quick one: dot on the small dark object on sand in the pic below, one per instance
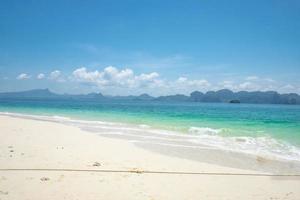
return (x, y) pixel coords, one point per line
(45, 179)
(96, 164)
(4, 193)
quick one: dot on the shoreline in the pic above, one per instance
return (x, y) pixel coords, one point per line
(34, 144)
(173, 144)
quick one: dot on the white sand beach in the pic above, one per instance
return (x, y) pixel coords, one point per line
(39, 159)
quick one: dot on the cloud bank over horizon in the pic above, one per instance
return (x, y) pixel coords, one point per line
(125, 81)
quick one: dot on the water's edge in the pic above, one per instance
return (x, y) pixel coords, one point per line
(195, 146)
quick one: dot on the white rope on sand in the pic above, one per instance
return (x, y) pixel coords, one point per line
(149, 172)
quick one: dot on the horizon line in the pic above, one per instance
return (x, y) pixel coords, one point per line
(147, 93)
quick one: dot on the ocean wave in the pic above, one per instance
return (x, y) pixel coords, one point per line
(261, 146)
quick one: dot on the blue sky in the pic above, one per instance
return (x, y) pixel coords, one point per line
(158, 47)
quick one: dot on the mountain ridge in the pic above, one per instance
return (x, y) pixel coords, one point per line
(219, 96)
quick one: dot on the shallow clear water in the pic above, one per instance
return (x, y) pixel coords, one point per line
(279, 122)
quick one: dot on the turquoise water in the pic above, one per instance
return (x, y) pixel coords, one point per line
(280, 122)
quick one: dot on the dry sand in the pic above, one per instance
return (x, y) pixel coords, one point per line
(32, 144)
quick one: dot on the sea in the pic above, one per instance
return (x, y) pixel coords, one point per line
(266, 130)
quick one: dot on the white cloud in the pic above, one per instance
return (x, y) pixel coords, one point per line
(288, 88)
(257, 86)
(81, 74)
(40, 76)
(247, 86)
(183, 81)
(56, 76)
(112, 77)
(148, 77)
(23, 76)
(149, 80)
(227, 85)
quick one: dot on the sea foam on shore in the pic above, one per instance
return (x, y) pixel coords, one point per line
(196, 137)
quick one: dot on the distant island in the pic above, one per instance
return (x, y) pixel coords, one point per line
(234, 101)
(220, 96)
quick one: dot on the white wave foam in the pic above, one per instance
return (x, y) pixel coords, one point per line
(262, 146)
(144, 126)
(203, 131)
(60, 118)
